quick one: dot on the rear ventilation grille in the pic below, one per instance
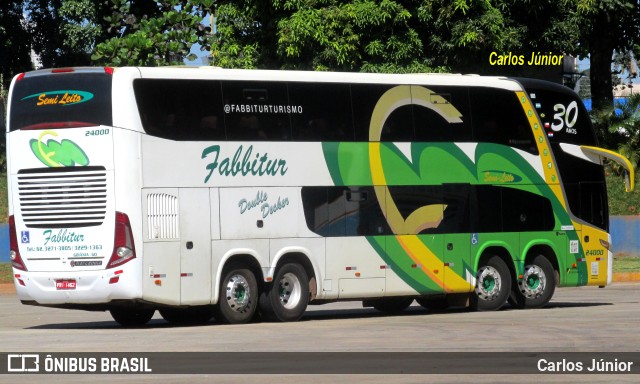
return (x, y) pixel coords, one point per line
(70, 197)
(162, 216)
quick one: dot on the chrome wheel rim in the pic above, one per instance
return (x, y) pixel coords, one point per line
(489, 283)
(289, 290)
(533, 282)
(238, 293)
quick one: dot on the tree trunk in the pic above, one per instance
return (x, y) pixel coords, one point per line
(601, 47)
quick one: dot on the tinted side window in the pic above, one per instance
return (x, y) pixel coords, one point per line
(523, 211)
(584, 186)
(453, 199)
(326, 113)
(343, 211)
(180, 109)
(487, 208)
(588, 201)
(364, 99)
(257, 110)
(501, 209)
(431, 126)
(411, 198)
(354, 211)
(399, 125)
(498, 117)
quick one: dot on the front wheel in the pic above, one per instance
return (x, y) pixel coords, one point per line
(287, 298)
(131, 317)
(238, 297)
(537, 285)
(493, 285)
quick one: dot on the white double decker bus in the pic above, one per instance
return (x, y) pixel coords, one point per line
(204, 192)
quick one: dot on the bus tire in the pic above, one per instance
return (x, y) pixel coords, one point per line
(131, 317)
(287, 297)
(537, 285)
(191, 315)
(238, 298)
(493, 285)
(392, 305)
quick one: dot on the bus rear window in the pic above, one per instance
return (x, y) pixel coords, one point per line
(61, 101)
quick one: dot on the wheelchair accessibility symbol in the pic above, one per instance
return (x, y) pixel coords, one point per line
(24, 237)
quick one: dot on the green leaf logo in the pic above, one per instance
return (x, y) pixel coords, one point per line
(65, 153)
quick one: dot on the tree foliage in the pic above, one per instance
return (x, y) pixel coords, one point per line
(14, 41)
(355, 35)
(387, 35)
(605, 26)
(149, 32)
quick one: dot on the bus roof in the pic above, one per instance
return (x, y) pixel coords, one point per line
(328, 77)
(203, 73)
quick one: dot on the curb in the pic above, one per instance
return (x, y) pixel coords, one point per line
(626, 277)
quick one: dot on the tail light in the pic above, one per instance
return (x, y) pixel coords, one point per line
(14, 251)
(124, 249)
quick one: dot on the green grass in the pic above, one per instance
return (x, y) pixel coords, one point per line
(621, 202)
(6, 273)
(623, 264)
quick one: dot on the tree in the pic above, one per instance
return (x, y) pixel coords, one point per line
(15, 49)
(148, 32)
(54, 31)
(15, 46)
(605, 26)
(369, 35)
(386, 35)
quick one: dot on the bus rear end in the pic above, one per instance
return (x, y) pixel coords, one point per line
(69, 246)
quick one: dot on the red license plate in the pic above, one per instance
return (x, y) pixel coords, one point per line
(65, 284)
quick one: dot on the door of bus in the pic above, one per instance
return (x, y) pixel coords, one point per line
(177, 245)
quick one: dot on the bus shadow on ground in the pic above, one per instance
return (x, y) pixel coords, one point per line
(315, 315)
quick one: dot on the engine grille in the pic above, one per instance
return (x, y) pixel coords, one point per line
(68, 197)
(162, 216)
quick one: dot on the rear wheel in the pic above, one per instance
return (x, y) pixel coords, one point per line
(192, 315)
(493, 285)
(392, 305)
(131, 317)
(537, 285)
(287, 298)
(238, 296)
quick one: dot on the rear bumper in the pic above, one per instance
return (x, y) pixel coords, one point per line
(92, 287)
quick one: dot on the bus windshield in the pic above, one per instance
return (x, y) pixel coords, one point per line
(567, 124)
(61, 101)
